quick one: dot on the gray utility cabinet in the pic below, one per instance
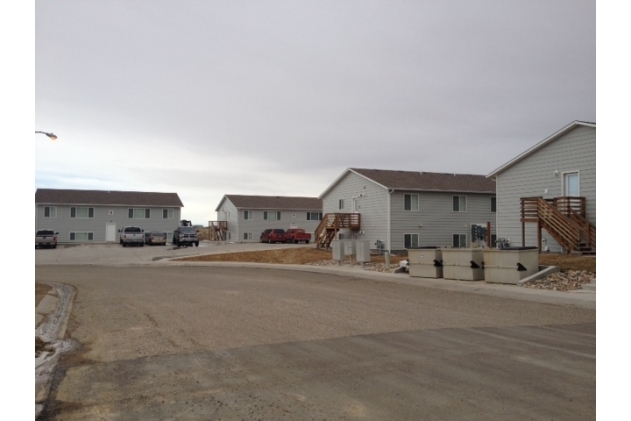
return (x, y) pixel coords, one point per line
(338, 250)
(362, 250)
(510, 265)
(425, 262)
(466, 264)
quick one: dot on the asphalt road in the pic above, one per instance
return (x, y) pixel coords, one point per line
(227, 343)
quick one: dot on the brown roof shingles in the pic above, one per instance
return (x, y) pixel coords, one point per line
(275, 202)
(428, 181)
(104, 197)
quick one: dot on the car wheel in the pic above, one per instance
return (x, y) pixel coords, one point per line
(142, 244)
(55, 246)
(269, 241)
(306, 242)
(124, 244)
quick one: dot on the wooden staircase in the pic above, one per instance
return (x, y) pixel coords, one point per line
(217, 230)
(564, 219)
(331, 224)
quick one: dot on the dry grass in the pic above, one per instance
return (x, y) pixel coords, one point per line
(296, 256)
(306, 255)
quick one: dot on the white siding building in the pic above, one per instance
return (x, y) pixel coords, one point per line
(560, 166)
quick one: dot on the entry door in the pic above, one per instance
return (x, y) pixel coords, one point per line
(110, 231)
(570, 184)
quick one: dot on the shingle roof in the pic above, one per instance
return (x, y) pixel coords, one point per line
(275, 202)
(104, 197)
(428, 181)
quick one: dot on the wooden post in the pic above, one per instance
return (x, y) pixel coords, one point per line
(488, 234)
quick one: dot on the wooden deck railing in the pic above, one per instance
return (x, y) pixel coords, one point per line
(330, 225)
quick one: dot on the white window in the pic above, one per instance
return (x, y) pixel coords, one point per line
(167, 214)
(460, 203)
(76, 212)
(459, 240)
(50, 211)
(410, 240)
(247, 235)
(410, 202)
(314, 216)
(248, 215)
(81, 236)
(571, 184)
(138, 213)
(341, 204)
(271, 216)
(493, 204)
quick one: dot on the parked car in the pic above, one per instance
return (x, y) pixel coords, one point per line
(297, 235)
(155, 237)
(185, 236)
(132, 235)
(46, 238)
(275, 235)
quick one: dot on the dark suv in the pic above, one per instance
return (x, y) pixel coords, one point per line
(185, 236)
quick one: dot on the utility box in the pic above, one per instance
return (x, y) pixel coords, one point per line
(464, 264)
(349, 247)
(338, 252)
(510, 265)
(362, 251)
(425, 262)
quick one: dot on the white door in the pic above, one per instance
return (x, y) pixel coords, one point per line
(110, 232)
(571, 184)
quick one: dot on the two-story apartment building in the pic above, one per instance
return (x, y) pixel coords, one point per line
(95, 216)
(404, 209)
(248, 216)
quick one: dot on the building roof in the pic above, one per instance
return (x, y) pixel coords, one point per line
(540, 145)
(272, 202)
(423, 181)
(106, 197)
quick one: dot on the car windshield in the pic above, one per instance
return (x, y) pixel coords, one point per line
(279, 231)
(132, 229)
(157, 234)
(187, 229)
(45, 232)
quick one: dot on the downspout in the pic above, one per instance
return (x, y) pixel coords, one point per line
(389, 222)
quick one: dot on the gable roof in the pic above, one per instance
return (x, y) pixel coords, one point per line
(540, 145)
(272, 202)
(422, 181)
(105, 197)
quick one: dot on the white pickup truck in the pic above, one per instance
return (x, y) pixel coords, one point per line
(132, 235)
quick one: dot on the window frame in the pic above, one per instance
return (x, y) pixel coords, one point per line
(74, 212)
(411, 237)
(493, 204)
(341, 204)
(310, 216)
(50, 210)
(266, 215)
(131, 213)
(249, 213)
(74, 234)
(461, 198)
(168, 213)
(247, 236)
(459, 236)
(411, 195)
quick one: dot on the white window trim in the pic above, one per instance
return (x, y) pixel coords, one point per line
(168, 211)
(267, 213)
(248, 213)
(144, 213)
(563, 187)
(50, 211)
(460, 237)
(465, 203)
(412, 234)
(247, 235)
(80, 232)
(76, 208)
(417, 202)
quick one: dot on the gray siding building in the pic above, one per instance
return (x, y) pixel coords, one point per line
(403, 209)
(95, 216)
(248, 216)
(562, 165)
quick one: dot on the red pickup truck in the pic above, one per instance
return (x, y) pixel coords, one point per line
(297, 235)
(276, 235)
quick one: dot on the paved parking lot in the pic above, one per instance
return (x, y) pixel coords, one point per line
(163, 340)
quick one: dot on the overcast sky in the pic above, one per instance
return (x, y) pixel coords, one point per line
(206, 98)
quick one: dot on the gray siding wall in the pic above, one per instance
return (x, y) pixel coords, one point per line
(289, 218)
(103, 215)
(229, 213)
(437, 219)
(372, 205)
(531, 177)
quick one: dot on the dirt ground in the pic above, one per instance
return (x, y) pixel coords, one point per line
(306, 255)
